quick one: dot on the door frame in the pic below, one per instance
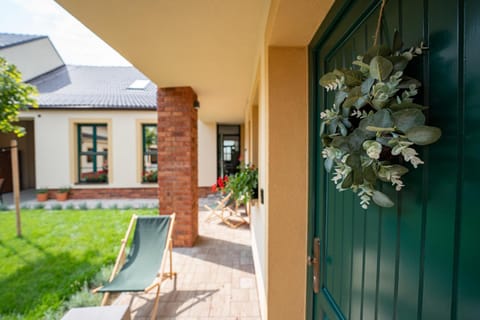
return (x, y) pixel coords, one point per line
(314, 227)
(220, 139)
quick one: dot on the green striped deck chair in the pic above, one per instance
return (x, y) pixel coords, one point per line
(143, 269)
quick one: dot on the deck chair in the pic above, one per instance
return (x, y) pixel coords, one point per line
(223, 211)
(144, 266)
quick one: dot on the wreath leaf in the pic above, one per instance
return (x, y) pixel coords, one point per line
(406, 119)
(331, 80)
(423, 135)
(380, 68)
(382, 199)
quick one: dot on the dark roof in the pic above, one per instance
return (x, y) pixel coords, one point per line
(89, 87)
(11, 39)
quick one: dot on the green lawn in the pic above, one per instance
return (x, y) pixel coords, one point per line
(58, 252)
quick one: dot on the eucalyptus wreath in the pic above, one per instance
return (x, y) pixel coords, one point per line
(373, 127)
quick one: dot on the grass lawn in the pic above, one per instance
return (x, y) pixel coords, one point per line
(58, 252)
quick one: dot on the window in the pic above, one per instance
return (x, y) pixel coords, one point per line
(139, 85)
(92, 153)
(149, 153)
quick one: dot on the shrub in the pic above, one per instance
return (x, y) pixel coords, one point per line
(56, 206)
(39, 206)
(83, 206)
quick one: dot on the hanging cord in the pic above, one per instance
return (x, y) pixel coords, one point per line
(379, 23)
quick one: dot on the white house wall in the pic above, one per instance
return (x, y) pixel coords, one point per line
(33, 58)
(54, 160)
(207, 153)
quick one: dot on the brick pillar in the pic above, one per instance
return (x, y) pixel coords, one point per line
(178, 161)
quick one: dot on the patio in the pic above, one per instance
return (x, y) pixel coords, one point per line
(215, 278)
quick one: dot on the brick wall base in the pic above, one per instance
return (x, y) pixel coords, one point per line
(204, 191)
(111, 193)
(122, 193)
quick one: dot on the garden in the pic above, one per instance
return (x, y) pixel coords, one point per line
(61, 256)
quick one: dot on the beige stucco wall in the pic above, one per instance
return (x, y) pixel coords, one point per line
(207, 153)
(259, 221)
(33, 58)
(287, 160)
(55, 145)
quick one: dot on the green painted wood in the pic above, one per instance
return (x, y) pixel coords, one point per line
(410, 224)
(370, 260)
(468, 299)
(357, 259)
(338, 238)
(440, 201)
(346, 269)
(419, 260)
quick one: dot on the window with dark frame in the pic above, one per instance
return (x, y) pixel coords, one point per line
(92, 153)
(149, 153)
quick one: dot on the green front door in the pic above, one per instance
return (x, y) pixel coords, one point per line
(421, 258)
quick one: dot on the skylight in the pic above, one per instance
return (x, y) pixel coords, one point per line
(139, 85)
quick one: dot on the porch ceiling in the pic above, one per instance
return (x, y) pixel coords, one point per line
(211, 45)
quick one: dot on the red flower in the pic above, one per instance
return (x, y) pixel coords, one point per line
(220, 183)
(214, 188)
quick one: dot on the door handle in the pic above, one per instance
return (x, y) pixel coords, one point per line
(315, 263)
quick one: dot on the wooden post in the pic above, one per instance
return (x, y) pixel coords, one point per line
(16, 184)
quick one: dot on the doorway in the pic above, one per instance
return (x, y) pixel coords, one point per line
(228, 149)
(26, 158)
(419, 259)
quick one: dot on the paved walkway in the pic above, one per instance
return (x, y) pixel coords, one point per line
(216, 279)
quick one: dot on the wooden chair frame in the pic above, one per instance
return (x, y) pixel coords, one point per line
(220, 211)
(161, 275)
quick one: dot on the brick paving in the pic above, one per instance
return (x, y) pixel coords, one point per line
(215, 279)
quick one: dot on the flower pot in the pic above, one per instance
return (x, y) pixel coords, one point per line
(61, 196)
(41, 197)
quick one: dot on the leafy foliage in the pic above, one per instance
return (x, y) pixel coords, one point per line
(243, 183)
(150, 176)
(373, 125)
(14, 97)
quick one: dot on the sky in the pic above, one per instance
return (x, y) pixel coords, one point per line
(75, 43)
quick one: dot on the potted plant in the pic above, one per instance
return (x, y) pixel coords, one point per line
(94, 177)
(62, 193)
(150, 176)
(42, 194)
(243, 184)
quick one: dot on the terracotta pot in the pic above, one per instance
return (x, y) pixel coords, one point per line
(61, 196)
(41, 197)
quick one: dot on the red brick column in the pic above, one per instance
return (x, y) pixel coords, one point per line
(178, 161)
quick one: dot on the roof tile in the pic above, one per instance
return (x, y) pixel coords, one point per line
(94, 87)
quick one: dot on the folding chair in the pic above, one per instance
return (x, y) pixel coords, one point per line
(144, 266)
(224, 212)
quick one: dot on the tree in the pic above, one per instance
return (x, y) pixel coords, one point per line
(14, 97)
